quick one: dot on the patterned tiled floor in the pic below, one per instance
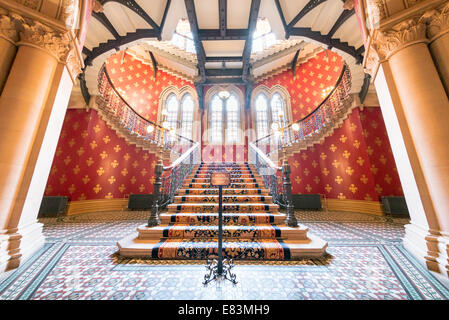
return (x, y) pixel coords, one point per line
(366, 260)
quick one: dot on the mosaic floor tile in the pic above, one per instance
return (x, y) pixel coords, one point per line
(365, 261)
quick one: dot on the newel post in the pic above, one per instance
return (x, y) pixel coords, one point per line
(154, 216)
(291, 219)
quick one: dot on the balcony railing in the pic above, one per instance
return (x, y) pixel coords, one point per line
(332, 106)
(111, 102)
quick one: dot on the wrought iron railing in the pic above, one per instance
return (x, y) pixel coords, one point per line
(332, 106)
(276, 179)
(111, 102)
(166, 185)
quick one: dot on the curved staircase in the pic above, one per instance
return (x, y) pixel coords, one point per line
(253, 228)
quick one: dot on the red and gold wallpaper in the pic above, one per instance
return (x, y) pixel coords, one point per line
(312, 78)
(92, 162)
(135, 82)
(355, 162)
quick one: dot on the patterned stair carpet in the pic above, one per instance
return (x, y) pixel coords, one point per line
(253, 227)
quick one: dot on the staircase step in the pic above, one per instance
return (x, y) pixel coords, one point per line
(260, 231)
(233, 180)
(238, 185)
(213, 207)
(213, 191)
(226, 198)
(242, 249)
(228, 218)
(233, 175)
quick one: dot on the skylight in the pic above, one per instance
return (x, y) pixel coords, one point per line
(263, 37)
(182, 37)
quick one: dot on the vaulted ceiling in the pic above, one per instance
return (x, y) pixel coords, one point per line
(221, 32)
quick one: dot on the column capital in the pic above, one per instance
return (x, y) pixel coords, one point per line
(58, 44)
(385, 43)
(437, 21)
(9, 25)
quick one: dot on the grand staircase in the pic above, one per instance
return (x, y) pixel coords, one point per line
(253, 228)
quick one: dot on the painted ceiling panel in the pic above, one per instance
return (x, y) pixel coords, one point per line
(97, 34)
(291, 8)
(328, 16)
(123, 19)
(207, 14)
(311, 18)
(154, 8)
(238, 14)
(224, 48)
(350, 32)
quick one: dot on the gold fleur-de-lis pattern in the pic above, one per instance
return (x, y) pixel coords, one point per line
(135, 82)
(312, 77)
(355, 162)
(106, 168)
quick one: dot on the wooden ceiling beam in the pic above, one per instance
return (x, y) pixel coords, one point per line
(201, 54)
(215, 34)
(222, 13)
(254, 12)
(345, 15)
(312, 4)
(101, 17)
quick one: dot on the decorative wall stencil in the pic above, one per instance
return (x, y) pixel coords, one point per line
(355, 162)
(92, 162)
(134, 80)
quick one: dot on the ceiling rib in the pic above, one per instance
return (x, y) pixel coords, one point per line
(132, 5)
(215, 34)
(101, 17)
(345, 15)
(312, 4)
(201, 54)
(254, 12)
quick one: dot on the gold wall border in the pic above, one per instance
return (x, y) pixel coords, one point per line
(362, 206)
(98, 205)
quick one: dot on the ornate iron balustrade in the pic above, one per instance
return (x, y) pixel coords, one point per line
(332, 106)
(166, 186)
(276, 179)
(111, 102)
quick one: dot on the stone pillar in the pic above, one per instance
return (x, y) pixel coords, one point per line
(32, 105)
(8, 38)
(415, 107)
(438, 33)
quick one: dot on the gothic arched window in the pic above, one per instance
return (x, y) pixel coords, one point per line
(187, 107)
(172, 107)
(216, 119)
(262, 123)
(232, 120)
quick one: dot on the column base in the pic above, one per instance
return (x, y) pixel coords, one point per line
(430, 249)
(19, 244)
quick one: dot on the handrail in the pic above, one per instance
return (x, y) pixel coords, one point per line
(264, 157)
(182, 157)
(279, 186)
(139, 124)
(339, 84)
(165, 187)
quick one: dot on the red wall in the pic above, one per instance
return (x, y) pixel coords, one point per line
(135, 82)
(355, 162)
(92, 162)
(311, 78)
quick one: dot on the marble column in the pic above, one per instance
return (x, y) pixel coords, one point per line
(438, 33)
(8, 38)
(32, 105)
(416, 108)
